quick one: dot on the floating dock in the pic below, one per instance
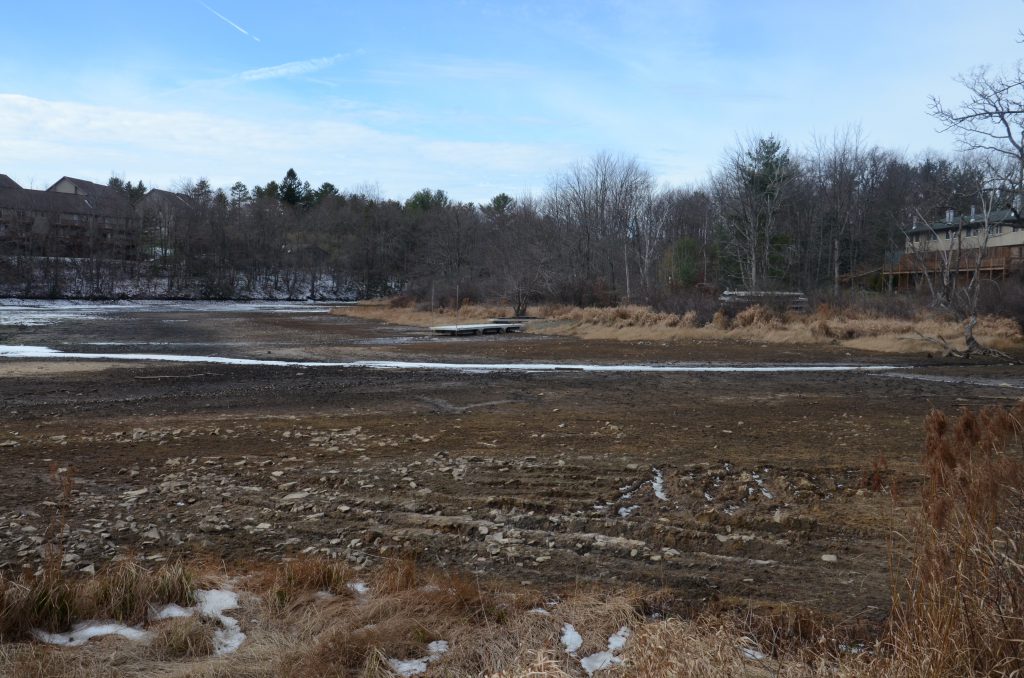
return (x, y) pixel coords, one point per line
(479, 328)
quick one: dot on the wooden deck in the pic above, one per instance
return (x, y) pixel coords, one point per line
(479, 328)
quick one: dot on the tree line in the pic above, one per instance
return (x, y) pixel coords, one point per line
(768, 217)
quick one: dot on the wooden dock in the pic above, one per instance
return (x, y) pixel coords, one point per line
(479, 328)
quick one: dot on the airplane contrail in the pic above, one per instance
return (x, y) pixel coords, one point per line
(229, 22)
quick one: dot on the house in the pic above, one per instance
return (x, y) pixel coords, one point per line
(72, 218)
(992, 244)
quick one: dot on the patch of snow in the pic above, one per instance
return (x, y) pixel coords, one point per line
(213, 603)
(617, 640)
(627, 511)
(414, 667)
(408, 667)
(540, 611)
(598, 661)
(44, 352)
(607, 658)
(171, 611)
(659, 485)
(81, 633)
(571, 638)
(358, 587)
(751, 653)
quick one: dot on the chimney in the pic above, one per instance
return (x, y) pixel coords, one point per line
(972, 212)
(949, 216)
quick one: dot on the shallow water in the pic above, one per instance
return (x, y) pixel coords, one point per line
(46, 312)
(43, 352)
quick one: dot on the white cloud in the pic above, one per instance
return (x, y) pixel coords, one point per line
(52, 138)
(291, 69)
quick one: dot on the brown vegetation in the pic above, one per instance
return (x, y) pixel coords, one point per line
(856, 328)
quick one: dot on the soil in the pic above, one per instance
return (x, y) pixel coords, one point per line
(751, 489)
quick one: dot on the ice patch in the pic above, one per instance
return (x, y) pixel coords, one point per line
(659, 485)
(35, 313)
(358, 587)
(627, 511)
(617, 640)
(571, 638)
(171, 611)
(607, 658)
(414, 667)
(44, 352)
(213, 603)
(210, 603)
(81, 633)
(598, 661)
(751, 653)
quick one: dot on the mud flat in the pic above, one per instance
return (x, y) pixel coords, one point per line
(741, 487)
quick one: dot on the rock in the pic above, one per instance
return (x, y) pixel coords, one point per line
(152, 535)
(263, 526)
(293, 497)
(829, 558)
(136, 493)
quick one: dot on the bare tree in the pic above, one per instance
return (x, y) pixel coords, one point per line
(990, 120)
(952, 265)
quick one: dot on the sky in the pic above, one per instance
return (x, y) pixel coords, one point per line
(475, 97)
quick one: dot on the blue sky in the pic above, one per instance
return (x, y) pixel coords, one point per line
(472, 96)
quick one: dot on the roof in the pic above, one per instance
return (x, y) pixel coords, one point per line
(88, 187)
(169, 196)
(52, 201)
(995, 217)
(7, 182)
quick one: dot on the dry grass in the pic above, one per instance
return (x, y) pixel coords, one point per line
(852, 328)
(960, 610)
(123, 592)
(410, 315)
(183, 638)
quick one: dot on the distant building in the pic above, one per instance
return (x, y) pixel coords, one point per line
(72, 218)
(929, 246)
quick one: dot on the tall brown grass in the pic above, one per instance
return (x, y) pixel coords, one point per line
(960, 610)
(123, 591)
(863, 327)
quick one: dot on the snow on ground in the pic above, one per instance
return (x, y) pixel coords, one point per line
(358, 587)
(45, 352)
(46, 312)
(658, 482)
(213, 603)
(82, 632)
(170, 611)
(414, 667)
(571, 638)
